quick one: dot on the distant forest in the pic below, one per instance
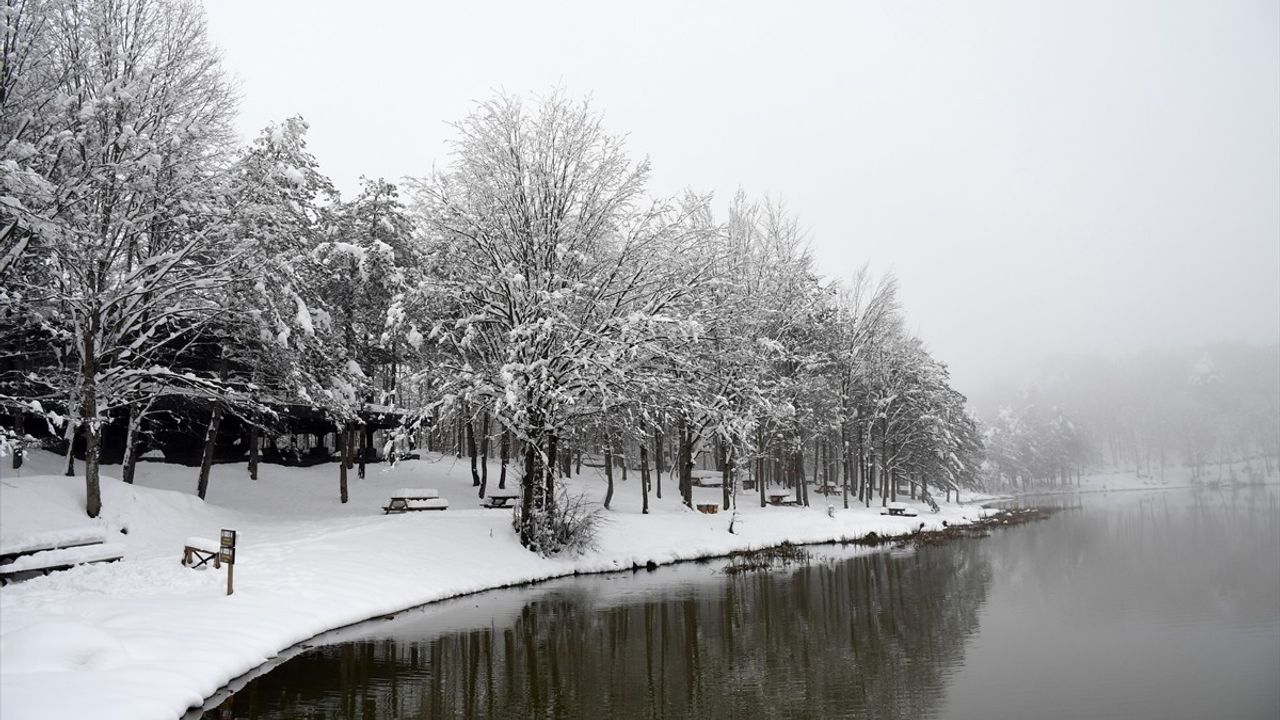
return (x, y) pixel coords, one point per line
(1208, 408)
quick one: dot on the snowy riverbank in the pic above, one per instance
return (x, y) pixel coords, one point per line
(147, 638)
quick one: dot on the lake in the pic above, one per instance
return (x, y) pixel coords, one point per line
(1153, 604)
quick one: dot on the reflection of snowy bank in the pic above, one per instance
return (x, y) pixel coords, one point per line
(159, 638)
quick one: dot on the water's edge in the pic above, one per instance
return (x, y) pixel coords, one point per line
(871, 539)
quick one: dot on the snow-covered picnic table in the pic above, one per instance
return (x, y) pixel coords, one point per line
(406, 499)
(51, 550)
(779, 497)
(500, 499)
(13, 546)
(897, 508)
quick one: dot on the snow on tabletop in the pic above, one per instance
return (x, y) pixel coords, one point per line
(416, 493)
(429, 503)
(146, 638)
(204, 544)
(48, 539)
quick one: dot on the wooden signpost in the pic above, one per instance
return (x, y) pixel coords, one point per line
(227, 555)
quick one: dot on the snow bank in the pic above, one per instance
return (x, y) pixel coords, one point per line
(147, 638)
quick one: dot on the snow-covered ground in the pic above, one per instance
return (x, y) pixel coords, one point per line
(147, 638)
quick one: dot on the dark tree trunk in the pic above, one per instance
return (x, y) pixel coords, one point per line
(128, 470)
(344, 459)
(366, 442)
(657, 462)
(550, 480)
(19, 428)
(608, 475)
(255, 450)
(210, 444)
(726, 475)
(484, 452)
(73, 427)
(471, 450)
(461, 431)
(528, 487)
(644, 479)
(504, 452)
(685, 461)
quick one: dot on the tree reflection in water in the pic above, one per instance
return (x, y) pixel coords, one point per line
(869, 636)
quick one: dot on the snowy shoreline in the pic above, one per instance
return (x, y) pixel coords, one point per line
(147, 638)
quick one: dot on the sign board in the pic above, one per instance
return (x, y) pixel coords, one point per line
(227, 554)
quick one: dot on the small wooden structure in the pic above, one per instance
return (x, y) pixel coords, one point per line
(408, 499)
(705, 478)
(779, 497)
(43, 553)
(500, 499)
(201, 549)
(708, 508)
(897, 508)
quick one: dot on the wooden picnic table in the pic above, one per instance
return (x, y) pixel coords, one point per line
(500, 499)
(897, 508)
(778, 497)
(410, 499)
(43, 553)
(708, 508)
(828, 489)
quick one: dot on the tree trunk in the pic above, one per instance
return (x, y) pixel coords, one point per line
(343, 461)
(366, 440)
(19, 429)
(685, 461)
(550, 480)
(657, 462)
(608, 474)
(484, 453)
(471, 449)
(504, 452)
(528, 485)
(127, 470)
(844, 462)
(726, 475)
(73, 426)
(255, 450)
(644, 479)
(210, 443)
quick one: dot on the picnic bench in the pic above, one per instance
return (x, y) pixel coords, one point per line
(407, 499)
(201, 549)
(828, 489)
(705, 478)
(708, 508)
(46, 552)
(897, 508)
(501, 499)
(779, 497)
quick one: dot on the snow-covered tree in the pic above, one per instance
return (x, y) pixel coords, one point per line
(122, 200)
(551, 276)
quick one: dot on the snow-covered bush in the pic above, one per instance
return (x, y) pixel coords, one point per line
(567, 526)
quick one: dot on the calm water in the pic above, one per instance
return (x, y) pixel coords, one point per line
(1131, 605)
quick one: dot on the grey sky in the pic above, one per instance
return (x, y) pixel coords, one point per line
(1042, 176)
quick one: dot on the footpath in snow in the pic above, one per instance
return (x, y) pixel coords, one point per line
(148, 638)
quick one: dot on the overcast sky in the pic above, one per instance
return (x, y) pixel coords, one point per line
(1041, 176)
